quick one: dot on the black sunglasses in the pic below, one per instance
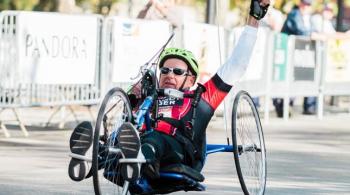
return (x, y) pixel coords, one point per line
(176, 71)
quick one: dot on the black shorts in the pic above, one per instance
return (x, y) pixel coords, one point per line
(168, 149)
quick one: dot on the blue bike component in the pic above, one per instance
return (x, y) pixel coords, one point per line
(113, 137)
(142, 115)
(180, 177)
(148, 122)
(173, 181)
(141, 186)
(213, 148)
(168, 181)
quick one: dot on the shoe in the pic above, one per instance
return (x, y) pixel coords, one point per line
(79, 143)
(129, 143)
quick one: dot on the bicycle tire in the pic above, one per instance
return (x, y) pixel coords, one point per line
(249, 145)
(114, 111)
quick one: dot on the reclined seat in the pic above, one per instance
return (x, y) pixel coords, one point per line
(175, 177)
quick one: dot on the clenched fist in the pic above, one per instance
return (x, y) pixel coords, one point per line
(258, 8)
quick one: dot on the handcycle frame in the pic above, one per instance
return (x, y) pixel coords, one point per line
(143, 117)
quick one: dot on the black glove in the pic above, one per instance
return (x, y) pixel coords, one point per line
(134, 101)
(256, 10)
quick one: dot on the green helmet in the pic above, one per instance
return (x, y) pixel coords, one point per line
(181, 54)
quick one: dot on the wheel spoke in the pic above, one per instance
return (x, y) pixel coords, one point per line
(114, 111)
(248, 139)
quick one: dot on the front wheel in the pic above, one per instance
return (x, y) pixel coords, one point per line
(249, 145)
(114, 111)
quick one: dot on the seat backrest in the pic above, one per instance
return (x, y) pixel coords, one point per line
(183, 169)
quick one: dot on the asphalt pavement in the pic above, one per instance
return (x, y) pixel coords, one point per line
(305, 156)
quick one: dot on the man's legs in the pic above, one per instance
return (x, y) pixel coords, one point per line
(309, 105)
(160, 150)
(278, 103)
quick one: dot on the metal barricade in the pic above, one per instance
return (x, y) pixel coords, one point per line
(290, 66)
(127, 45)
(32, 55)
(335, 77)
(42, 65)
(295, 70)
(256, 79)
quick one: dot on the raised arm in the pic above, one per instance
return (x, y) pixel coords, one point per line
(234, 68)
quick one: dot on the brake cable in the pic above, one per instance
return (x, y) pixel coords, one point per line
(220, 60)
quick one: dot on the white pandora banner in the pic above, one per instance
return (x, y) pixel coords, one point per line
(57, 48)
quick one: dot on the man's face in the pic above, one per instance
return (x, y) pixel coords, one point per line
(171, 78)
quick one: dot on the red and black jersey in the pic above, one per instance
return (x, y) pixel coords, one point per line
(181, 109)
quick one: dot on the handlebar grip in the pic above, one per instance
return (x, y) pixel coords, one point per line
(160, 92)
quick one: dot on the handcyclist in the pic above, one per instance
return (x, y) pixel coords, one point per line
(176, 139)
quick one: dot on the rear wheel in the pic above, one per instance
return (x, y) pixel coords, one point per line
(114, 111)
(249, 145)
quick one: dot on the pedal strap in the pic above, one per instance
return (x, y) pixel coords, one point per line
(80, 157)
(132, 160)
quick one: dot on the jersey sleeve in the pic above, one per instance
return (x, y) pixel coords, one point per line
(216, 91)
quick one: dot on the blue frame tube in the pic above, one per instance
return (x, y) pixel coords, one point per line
(148, 121)
(143, 113)
(213, 148)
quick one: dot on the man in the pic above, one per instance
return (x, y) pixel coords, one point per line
(321, 21)
(175, 139)
(298, 22)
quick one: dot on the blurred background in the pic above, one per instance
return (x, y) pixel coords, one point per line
(295, 69)
(204, 10)
(58, 58)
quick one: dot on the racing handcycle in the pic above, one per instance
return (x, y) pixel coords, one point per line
(114, 172)
(247, 146)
